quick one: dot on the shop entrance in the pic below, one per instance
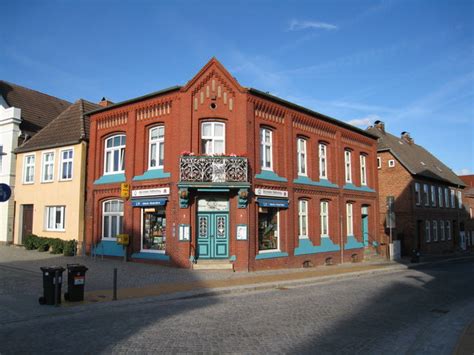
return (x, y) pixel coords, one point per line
(365, 224)
(212, 228)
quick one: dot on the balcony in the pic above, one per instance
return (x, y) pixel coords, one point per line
(213, 169)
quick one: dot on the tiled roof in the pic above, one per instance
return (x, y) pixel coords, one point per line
(37, 109)
(70, 127)
(416, 159)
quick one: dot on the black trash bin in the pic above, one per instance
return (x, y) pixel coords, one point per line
(76, 280)
(49, 274)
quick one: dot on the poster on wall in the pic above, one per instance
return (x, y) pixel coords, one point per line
(242, 232)
(184, 234)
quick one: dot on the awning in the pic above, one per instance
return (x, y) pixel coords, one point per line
(147, 202)
(272, 202)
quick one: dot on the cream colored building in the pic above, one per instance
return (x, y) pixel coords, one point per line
(50, 178)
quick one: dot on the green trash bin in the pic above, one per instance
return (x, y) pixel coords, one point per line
(49, 285)
(76, 280)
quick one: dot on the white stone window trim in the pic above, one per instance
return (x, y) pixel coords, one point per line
(159, 144)
(363, 169)
(446, 197)
(440, 196)
(348, 165)
(323, 160)
(121, 149)
(349, 219)
(379, 163)
(50, 216)
(435, 231)
(459, 197)
(417, 194)
(391, 163)
(266, 157)
(303, 216)
(213, 138)
(62, 161)
(45, 164)
(427, 231)
(26, 166)
(324, 217)
(114, 213)
(453, 198)
(433, 195)
(426, 194)
(301, 154)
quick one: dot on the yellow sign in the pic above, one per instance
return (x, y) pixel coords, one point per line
(124, 190)
(123, 239)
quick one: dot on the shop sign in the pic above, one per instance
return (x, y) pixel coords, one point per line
(212, 205)
(271, 193)
(151, 192)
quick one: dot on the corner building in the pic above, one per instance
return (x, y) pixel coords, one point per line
(223, 173)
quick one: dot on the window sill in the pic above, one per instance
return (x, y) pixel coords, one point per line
(271, 255)
(110, 179)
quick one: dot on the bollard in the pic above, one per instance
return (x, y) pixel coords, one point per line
(56, 288)
(115, 285)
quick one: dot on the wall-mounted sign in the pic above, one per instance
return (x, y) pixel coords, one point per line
(151, 192)
(271, 193)
(124, 190)
(213, 205)
(242, 232)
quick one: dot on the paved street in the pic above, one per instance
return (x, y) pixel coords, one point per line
(412, 311)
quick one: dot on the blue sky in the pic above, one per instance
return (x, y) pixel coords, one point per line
(409, 63)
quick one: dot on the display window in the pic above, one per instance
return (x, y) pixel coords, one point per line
(154, 229)
(268, 229)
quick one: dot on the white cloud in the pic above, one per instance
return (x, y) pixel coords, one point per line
(296, 25)
(464, 171)
(364, 122)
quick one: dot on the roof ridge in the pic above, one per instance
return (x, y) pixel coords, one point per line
(36, 91)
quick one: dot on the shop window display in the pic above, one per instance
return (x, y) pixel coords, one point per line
(154, 229)
(267, 228)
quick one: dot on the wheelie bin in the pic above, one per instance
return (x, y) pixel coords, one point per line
(49, 284)
(76, 280)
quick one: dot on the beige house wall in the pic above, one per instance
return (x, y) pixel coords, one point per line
(70, 193)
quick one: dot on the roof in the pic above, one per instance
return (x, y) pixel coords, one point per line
(70, 127)
(256, 92)
(37, 109)
(469, 180)
(311, 112)
(416, 159)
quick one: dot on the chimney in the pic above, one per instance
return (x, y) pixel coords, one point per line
(406, 137)
(105, 102)
(380, 125)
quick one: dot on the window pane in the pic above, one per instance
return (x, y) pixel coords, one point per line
(153, 155)
(219, 147)
(206, 129)
(106, 226)
(219, 130)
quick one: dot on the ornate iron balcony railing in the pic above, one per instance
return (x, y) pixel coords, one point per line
(213, 169)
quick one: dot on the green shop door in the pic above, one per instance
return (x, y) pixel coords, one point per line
(213, 235)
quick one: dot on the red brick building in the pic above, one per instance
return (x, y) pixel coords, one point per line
(469, 207)
(222, 172)
(427, 196)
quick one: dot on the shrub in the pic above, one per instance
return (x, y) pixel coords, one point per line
(69, 248)
(43, 244)
(57, 245)
(31, 242)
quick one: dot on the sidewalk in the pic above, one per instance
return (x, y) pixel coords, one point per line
(466, 341)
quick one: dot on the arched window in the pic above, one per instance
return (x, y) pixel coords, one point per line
(114, 154)
(301, 153)
(363, 170)
(266, 154)
(156, 148)
(348, 165)
(112, 218)
(303, 219)
(324, 212)
(349, 219)
(213, 138)
(323, 161)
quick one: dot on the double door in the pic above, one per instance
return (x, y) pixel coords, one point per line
(213, 235)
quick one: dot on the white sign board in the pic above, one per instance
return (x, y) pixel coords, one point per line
(151, 192)
(271, 193)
